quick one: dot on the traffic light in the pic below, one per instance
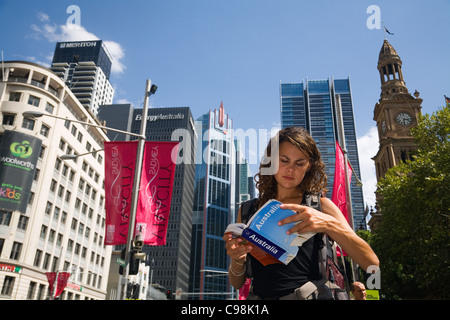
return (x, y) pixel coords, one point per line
(136, 255)
(134, 263)
(132, 291)
(122, 255)
(169, 295)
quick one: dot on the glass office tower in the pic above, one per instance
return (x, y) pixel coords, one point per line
(214, 194)
(311, 104)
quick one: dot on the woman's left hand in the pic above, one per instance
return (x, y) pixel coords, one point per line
(309, 219)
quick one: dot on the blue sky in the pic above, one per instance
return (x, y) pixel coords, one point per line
(202, 52)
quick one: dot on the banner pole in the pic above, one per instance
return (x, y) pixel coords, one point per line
(136, 185)
(347, 182)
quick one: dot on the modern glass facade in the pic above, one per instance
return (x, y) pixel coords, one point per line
(311, 104)
(213, 206)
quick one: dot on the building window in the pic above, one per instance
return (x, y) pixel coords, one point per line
(8, 119)
(37, 258)
(15, 251)
(58, 164)
(34, 101)
(23, 222)
(63, 217)
(62, 145)
(15, 96)
(43, 232)
(8, 285)
(48, 207)
(28, 124)
(74, 131)
(49, 108)
(41, 154)
(44, 130)
(5, 217)
(74, 224)
(53, 185)
(31, 290)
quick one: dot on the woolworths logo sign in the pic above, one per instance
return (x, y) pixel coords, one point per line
(22, 150)
(18, 157)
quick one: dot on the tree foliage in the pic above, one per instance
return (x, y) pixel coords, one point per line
(413, 242)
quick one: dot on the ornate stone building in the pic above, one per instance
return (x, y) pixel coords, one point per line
(395, 113)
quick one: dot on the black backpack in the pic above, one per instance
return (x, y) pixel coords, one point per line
(332, 285)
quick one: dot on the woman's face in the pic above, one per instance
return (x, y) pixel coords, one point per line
(293, 165)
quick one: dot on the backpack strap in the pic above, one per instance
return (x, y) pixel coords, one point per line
(248, 209)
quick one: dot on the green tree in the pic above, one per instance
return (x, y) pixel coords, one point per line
(413, 241)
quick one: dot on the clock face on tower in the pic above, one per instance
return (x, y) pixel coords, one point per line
(403, 119)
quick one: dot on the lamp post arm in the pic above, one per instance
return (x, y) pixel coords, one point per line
(90, 124)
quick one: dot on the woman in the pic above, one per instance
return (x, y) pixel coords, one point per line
(300, 170)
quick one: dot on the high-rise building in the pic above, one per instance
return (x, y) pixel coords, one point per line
(171, 261)
(311, 104)
(62, 228)
(85, 67)
(395, 113)
(242, 170)
(213, 204)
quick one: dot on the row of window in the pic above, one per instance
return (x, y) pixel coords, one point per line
(29, 124)
(36, 291)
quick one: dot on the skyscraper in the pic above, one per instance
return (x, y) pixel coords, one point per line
(213, 204)
(311, 104)
(85, 67)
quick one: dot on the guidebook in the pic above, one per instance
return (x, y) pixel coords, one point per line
(271, 243)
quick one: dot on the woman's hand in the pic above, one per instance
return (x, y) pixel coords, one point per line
(237, 248)
(309, 219)
(332, 222)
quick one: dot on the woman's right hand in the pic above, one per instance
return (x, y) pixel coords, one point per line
(237, 248)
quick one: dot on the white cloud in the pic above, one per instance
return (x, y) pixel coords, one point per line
(43, 17)
(72, 32)
(367, 149)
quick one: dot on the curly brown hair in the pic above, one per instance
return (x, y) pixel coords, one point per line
(315, 179)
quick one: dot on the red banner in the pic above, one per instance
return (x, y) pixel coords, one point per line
(51, 277)
(120, 158)
(155, 193)
(339, 195)
(63, 277)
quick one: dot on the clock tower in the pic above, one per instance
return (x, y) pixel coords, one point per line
(395, 114)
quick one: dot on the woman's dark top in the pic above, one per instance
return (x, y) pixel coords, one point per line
(276, 280)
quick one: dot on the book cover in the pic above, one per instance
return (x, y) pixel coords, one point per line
(271, 243)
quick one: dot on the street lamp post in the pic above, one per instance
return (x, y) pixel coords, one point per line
(149, 90)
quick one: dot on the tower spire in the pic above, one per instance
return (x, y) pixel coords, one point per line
(390, 68)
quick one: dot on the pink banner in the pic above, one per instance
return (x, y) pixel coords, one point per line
(339, 196)
(51, 277)
(63, 277)
(155, 192)
(120, 158)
